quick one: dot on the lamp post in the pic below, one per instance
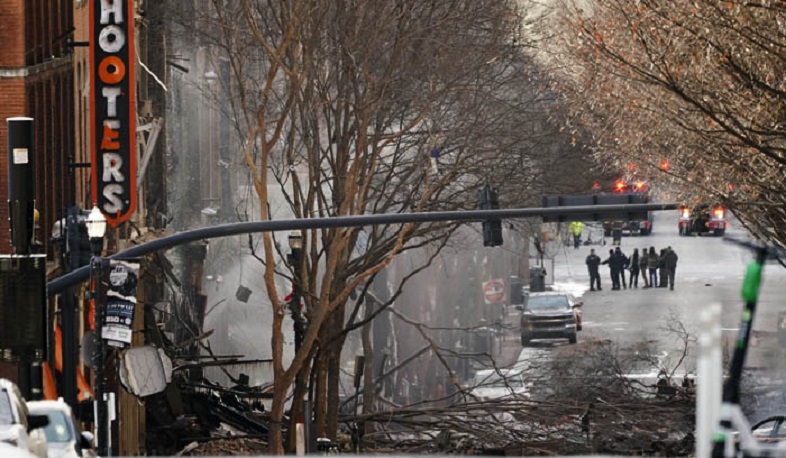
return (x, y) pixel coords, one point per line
(296, 250)
(96, 228)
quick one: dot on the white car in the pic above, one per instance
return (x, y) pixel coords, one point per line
(492, 384)
(9, 451)
(17, 426)
(62, 433)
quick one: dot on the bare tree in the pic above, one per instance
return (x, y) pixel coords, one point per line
(350, 107)
(691, 84)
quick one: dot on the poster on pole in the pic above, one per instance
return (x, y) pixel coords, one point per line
(118, 325)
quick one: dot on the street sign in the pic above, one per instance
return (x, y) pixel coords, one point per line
(494, 291)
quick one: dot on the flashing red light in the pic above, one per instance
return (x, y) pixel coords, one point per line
(631, 166)
(718, 212)
(619, 186)
(595, 186)
(685, 212)
(639, 186)
(664, 165)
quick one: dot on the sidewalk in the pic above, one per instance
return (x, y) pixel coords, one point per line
(507, 345)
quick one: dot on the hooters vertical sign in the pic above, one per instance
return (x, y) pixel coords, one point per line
(113, 103)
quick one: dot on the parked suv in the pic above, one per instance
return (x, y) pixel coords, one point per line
(549, 315)
(17, 426)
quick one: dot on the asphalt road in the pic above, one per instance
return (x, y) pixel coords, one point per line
(709, 271)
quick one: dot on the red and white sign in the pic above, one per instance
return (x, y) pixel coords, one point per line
(113, 108)
(494, 291)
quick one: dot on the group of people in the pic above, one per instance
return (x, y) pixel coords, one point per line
(657, 270)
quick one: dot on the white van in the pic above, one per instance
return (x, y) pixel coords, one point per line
(17, 426)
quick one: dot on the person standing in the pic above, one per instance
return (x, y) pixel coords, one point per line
(593, 265)
(616, 233)
(613, 264)
(624, 262)
(671, 266)
(634, 269)
(576, 228)
(652, 267)
(662, 280)
(643, 266)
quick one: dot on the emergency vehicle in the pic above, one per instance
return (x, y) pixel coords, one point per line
(702, 219)
(643, 227)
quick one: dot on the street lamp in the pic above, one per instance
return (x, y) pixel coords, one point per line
(295, 240)
(294, 258)
(96, 228)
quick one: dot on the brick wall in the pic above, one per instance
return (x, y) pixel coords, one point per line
(38, 82)
(12, 103)
(12, 33)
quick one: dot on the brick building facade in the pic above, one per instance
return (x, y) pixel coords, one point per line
(36, 80)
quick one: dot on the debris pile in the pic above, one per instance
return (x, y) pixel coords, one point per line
(206, 415)
(226, 447)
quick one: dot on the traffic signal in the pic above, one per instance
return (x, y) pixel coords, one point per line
(492, 229)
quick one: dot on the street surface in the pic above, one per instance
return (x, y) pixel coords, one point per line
(709, 271)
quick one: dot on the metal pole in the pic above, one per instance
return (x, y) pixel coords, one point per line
(708, 386)
(21, 183)
(68, 311)
(102, 417)
(297, 313)
(226, 230)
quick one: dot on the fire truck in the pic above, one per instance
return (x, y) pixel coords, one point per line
(702, 219)
(643, 227)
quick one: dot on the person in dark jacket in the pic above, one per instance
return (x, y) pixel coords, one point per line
(617, 262)
(662, 269)
(613, 264)
(634, 269)
(670, 259)
(593, 264)
(624, 262)
(643, 267)
(652, 267)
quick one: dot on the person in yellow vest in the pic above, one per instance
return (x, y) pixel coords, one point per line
(576, 228)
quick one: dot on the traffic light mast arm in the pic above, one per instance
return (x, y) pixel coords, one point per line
(225, 230)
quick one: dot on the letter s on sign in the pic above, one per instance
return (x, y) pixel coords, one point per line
(113, 194)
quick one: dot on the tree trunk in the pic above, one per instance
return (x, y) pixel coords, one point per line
(275, 437)
(368, 373)
(297, 415)
(334, 374)
(320, 401)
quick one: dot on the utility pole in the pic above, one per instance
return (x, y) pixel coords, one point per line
(23, 312)
(96, 228)
(70, 255)
(294, 260)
